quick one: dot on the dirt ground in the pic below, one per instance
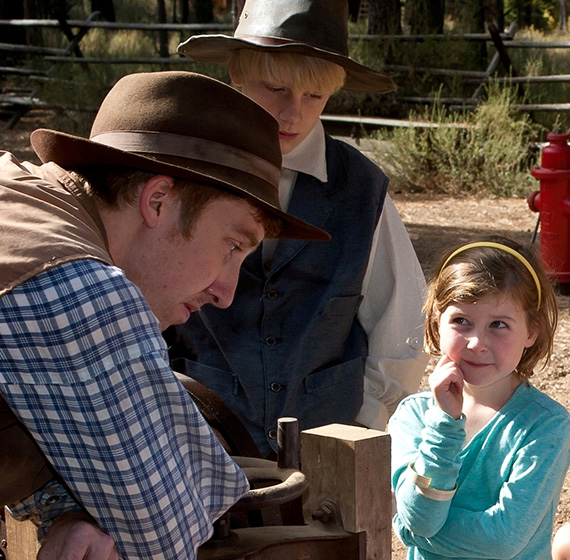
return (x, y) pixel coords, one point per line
(434, 223)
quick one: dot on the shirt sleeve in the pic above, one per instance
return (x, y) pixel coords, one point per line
(84, 366)
(391, 314)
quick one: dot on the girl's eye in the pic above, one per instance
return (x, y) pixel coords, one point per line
(459, 321)
(499, 325)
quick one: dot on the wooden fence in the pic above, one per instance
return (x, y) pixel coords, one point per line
(25, 99)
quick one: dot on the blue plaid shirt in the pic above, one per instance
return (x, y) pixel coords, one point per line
(84, 366)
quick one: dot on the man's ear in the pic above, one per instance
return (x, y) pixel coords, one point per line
(155, 192)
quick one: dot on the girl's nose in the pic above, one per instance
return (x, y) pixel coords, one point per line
(477, 342)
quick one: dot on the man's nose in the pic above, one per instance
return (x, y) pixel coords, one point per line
(223, 289)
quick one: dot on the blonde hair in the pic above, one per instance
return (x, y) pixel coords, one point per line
(482, 271)
(303, 72)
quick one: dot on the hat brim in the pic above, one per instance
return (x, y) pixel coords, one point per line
(217, 49)
(73, 152)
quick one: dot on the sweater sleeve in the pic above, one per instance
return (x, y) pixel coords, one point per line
(425, 443)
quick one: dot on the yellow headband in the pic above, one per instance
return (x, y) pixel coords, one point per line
(506, 249)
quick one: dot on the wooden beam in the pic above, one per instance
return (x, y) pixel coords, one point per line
(350, 465)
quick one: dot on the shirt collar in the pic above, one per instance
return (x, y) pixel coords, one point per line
(310, 155)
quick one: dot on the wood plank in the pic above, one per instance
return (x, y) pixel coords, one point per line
(21, 538)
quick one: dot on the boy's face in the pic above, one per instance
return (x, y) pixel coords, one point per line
(296, 110)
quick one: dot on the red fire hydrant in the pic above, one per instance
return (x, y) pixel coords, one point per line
(553, 203)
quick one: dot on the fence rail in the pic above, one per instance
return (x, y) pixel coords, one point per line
(73, 55)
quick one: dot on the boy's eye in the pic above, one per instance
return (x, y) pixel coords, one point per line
(459, 321)
(315, 96)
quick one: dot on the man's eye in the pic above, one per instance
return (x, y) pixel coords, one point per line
(234, 247)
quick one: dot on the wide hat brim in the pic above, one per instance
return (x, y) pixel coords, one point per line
(75, 152)
(217, 49)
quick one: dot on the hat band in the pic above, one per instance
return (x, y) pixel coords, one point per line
(263, 41)
(191, 148)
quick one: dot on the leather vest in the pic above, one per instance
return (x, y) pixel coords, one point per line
(290, 344)
(46, 220)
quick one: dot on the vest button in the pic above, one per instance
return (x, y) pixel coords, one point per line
(276, 387)
(271, 341)
(272, 295)
(272, 433)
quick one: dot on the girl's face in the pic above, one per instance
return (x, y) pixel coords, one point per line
(297, 111)
(485, 339)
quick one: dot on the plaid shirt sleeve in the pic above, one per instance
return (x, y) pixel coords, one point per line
(84, 366)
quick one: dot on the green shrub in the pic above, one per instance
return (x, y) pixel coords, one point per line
(487, 152)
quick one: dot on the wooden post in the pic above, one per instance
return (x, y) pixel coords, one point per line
(21, 538)
(351, 466)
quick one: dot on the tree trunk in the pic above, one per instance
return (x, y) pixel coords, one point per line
(563, 17)
(10, 9)
(237, 7)
(384, 17)
(494, 11)
(204, 11)
(423, 17)
(184, 11)
(105, 7)
(162, 35)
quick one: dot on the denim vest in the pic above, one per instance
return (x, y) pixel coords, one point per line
(290, 344)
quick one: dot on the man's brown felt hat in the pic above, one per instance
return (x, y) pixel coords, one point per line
(187, 126)
(317, 28)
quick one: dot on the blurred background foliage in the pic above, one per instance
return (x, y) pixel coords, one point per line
(489, 153)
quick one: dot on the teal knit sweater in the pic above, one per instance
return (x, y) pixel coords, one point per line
(508, 478)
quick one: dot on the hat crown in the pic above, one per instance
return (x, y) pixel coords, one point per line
(320, 23)
(188, 105)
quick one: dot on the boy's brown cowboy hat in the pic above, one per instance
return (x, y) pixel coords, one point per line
(187, 126)
(316, 28)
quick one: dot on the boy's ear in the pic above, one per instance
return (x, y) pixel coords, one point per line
(235, 77)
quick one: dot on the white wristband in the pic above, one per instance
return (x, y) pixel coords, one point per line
(423, 486)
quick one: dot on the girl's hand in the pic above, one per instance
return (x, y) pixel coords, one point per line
(446, 383)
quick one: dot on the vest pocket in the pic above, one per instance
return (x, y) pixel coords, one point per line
(349, 373)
